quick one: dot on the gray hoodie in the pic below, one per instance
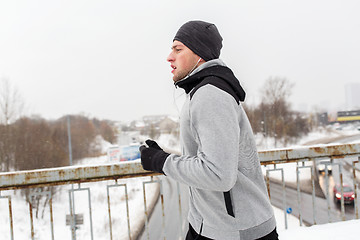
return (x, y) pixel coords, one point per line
(219, 161)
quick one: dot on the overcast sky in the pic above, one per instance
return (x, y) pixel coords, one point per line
(107, 59)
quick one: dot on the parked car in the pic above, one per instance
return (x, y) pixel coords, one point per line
(348, 192)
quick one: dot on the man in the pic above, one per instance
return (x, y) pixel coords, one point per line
(219, 161)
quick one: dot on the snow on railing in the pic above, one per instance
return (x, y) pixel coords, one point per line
(279, 167)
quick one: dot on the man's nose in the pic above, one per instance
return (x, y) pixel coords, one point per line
(170, 58)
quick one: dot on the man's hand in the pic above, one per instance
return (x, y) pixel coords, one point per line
(153, 157)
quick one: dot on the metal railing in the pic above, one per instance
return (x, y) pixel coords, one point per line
(310, 158)
(41, 183)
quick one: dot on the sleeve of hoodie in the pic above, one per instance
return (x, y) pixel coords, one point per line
(214, 124)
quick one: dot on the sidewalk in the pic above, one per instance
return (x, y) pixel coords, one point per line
(338, 230)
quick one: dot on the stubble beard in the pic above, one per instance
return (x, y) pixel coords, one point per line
(184, 72)
(180, 75)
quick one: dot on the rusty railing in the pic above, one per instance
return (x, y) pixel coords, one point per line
(41, 190)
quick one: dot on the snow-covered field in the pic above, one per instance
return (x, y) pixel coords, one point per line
(99, 207)
(99, 210)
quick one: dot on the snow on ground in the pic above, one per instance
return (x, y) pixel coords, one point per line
(99, 207)
(339, 230)
(118, 205)
(329, 132)
(289, 170)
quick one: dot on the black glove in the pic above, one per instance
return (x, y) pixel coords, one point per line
(153, 157)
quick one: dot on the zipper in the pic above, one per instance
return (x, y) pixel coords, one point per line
(228, 204)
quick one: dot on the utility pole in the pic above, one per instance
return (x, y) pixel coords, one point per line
(69, 138)
(72, 202)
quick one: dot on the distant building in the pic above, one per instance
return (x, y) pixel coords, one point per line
(348, 116)
(168, 125)
(153, 119)
(352, 96)
(323, 118)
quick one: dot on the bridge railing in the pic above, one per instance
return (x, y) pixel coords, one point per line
(57, 191)
(331, 159)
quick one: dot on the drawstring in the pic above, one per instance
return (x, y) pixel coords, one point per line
(175, 98)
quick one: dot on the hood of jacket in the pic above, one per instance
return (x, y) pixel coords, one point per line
(220, 71)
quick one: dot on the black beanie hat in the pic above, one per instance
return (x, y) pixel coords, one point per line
(202, 38)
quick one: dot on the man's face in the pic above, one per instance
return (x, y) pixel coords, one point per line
(182, 60)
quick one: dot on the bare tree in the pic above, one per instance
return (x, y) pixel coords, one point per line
(273, 117)
(11, 103)
(276, 90)
(39, 198)
(11, 106)
(106, 129)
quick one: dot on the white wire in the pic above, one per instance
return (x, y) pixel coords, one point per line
(175, 98)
